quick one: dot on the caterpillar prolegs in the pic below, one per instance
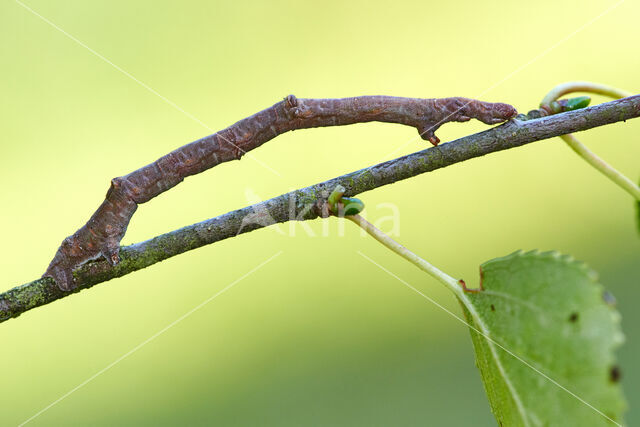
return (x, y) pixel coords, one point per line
(102, 234)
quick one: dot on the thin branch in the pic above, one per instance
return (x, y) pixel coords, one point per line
(100, 237)
(310, 202)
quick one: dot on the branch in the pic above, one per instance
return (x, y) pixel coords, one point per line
(101, 235)
(310, 202)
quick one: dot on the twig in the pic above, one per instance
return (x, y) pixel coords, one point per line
(101, 235)
(310, 202)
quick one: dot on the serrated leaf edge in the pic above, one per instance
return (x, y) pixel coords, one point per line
(568, 259)
(484, 331)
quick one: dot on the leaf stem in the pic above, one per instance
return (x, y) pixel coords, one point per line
(570, 87)
(623, 182)
(589, 156)
(451, 283)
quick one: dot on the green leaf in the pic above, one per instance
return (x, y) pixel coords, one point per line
(638, 213)
(550, 311)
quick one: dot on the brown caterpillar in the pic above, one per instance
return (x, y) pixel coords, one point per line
(102, 234)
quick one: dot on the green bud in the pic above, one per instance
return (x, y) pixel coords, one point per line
(577, 103)
(335, 197)
(570, 104)
(352, 206)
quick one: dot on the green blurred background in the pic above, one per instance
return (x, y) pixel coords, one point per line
(319, 335)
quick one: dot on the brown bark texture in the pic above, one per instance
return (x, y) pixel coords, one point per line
(101, 235)
(307, 203)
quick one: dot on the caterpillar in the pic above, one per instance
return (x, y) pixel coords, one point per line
(101, 235)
